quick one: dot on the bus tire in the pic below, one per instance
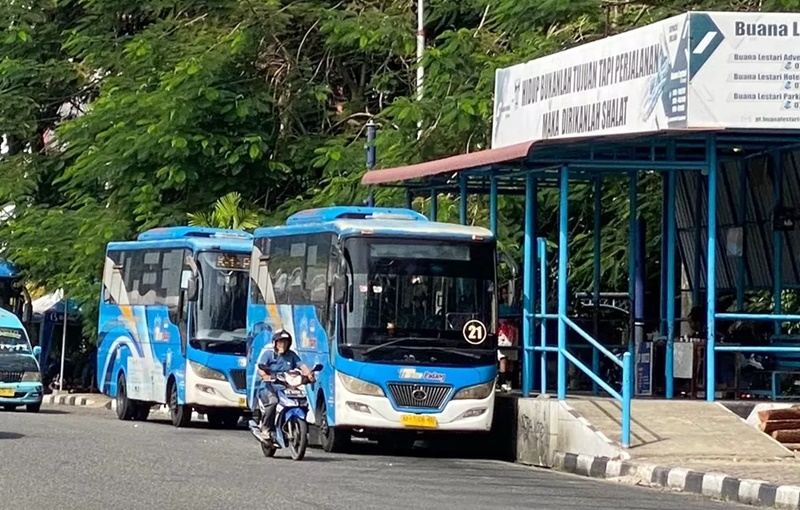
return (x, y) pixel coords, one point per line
(125, 408)
(333, 440)
(181, 414)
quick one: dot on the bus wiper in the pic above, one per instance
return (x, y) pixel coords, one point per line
(393, 342)
(450, 350)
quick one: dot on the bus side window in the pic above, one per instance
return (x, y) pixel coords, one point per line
(317, 274)
(114, 291)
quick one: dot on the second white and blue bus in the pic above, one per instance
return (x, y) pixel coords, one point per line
(172, 325)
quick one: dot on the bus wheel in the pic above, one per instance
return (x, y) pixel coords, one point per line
(125, 407)
(181, 414)
(333, 440)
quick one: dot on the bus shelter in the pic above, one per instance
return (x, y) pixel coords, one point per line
(711, 102)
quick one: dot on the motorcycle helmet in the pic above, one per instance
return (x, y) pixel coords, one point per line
(282, 334)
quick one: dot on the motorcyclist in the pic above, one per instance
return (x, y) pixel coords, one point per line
(277, 361)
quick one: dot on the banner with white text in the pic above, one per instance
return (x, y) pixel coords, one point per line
(629, 83)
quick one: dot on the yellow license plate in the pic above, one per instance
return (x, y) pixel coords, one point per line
(242, 402)
(6, 392)
(419, 420)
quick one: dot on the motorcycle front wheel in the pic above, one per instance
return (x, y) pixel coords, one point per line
(298, 438)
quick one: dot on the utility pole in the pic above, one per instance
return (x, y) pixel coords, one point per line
(371, 127)
(420, 51)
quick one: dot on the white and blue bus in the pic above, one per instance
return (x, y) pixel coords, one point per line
(399, 310)
(172, 326)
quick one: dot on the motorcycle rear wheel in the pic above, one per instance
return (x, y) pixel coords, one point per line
(299, 439)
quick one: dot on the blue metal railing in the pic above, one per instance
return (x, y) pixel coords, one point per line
(624, 397)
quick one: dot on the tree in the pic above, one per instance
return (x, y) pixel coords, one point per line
(161, 107)
(227, 213)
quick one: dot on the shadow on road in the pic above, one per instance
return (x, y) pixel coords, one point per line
(10, 435)
(52, 411)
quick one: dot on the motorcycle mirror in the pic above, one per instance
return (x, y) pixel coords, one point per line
(317, 368)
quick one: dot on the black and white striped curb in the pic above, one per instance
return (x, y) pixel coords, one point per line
(67, 400)
(713, 485)
(160, 409)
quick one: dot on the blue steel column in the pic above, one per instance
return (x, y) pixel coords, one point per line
(434, 204)
(371, 158)
(662, 321)
(670, 280)
(528, 287)
(541, 250)
(598, 187)
(711, 266)
(777, 242)
(742, 217)
(632, 227)
(493, 203)
(698, 199)
(462, 199)
(563, 239)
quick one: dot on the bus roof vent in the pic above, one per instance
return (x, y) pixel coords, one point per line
(327, 214)
(168, 233)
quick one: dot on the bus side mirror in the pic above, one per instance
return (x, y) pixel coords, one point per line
(191, 289)
(37, 351)
(339, 289)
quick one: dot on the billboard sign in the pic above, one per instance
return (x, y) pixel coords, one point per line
(745, 70)
(694, 71)
(628, 83)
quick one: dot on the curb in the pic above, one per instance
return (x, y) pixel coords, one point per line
(67, 400)
(713, 485)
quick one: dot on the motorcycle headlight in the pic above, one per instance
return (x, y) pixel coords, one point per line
(203, 372)
(360, 387)
(477, 392)
(32, 377)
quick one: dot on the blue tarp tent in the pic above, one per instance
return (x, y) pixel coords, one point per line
(48, 316)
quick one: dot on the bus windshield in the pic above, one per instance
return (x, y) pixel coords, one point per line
(13, 341)
(411, 300)
(222, 301)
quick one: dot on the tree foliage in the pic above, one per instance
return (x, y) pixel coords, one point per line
(227, 213)
(160, 107)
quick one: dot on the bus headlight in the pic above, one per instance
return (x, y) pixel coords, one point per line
(203, 372)
(360, 387)
(477, 392)
(32, 377)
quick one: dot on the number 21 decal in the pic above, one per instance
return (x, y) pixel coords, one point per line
(474, 332)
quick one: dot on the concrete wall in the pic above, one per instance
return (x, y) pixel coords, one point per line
(531, 430)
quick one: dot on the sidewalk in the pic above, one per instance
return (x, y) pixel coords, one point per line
(691, 446)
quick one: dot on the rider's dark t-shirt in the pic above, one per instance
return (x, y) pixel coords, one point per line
(279, 363)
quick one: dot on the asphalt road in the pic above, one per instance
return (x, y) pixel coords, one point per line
(84, 459)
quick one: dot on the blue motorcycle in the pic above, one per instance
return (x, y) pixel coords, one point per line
(291, 427)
